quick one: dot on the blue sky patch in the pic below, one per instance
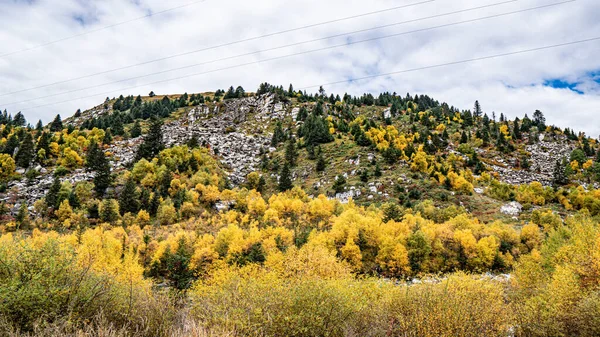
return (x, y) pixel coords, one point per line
(562, 84)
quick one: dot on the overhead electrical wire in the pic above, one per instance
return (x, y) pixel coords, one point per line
(276, 48)
(101, 28)
(523, 51)
(294, 54)
(227, 44)
(453, 63)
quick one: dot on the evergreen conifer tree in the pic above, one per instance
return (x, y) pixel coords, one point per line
(128, 199)
(285, 179)
(52, 195)
(136, 130)
(559, 175)
(102, 177)
(56, 124)
(153, 142)
(26, 152)
(291, 154)
(477, 110)
(321, 164)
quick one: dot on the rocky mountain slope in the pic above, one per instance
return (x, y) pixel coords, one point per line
(240, 134)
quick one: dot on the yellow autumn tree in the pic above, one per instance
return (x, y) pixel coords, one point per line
(7, 166)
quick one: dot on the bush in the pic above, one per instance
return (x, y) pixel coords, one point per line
(259, 303)
(44, 284)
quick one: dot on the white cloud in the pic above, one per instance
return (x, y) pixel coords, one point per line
(512, 85)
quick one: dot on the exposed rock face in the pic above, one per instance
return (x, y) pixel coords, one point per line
(544, 155)
(35, 189)
(213, 127)
(513, 209)
(345, 197)
(238, 151)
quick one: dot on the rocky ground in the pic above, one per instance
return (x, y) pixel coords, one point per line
(542, 161)
(214, 128)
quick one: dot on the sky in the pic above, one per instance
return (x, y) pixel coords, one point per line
(60, 56)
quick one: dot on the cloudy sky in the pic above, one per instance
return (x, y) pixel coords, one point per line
(58, 56)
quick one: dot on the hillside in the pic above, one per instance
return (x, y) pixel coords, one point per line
(213, 199)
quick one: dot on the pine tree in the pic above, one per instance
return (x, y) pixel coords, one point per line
(165, 183)
(136, 130)
(291, 154)
(278, 135)
(102, 177)
(52, 195)
(26, 152)
(378, 170)
(153, 142)
(394, 109)
(128, 199)
(193, 142)
(154, 204)
(364, 175)
(463, 138)
(539, 120)
(107, 137)
(477, 110)
(338, 185)
(302, 114)
(315, 130)
(517, 129)
(321, 164)
(56, 124)
(22, 217)
(109, 212)
(559, 175)
(586, 147)
(92, 155)
(19, 120)
(285, 179)
(260, 187)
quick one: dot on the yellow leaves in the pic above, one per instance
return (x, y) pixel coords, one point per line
(468, 241)
(7, 166)
(208, 194)
(588, 164)
(71, 159)
(531, 236)
(378, 136)
(309, 261)
(64, 211)
(143, 218)
(256, 204)
(351, 253)
(393, 258)
(460, 183)
(575, 165)
(419, 162)
(505, 131)
(284, 205)
(533, 193)
(54, 149)
(167, 214)
(564, 288)
(441, 128)
(321, 208)
(252, 179)
(487, 249)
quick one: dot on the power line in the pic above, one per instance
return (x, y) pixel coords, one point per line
(370, 76)
(299, 53)
(453, 63)
(102, 28)
(224, 45)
